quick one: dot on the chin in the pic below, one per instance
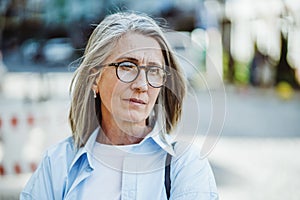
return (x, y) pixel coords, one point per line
(134, 117)
(131, 115)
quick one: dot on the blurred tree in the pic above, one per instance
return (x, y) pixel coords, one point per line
(284, 72)
(226, 31)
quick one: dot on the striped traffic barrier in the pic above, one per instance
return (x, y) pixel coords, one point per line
(26, 132)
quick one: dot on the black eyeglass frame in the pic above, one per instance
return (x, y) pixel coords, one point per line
(147, 68)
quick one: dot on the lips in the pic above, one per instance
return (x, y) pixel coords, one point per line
(137, 101)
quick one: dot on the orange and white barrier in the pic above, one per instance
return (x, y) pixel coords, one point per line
(26, 131)
(18, 128)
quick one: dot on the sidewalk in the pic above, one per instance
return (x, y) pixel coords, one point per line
(257, 168)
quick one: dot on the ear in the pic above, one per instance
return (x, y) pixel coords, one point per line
(95, 83)
(95, 88)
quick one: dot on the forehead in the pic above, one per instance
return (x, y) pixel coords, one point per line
(138, 46)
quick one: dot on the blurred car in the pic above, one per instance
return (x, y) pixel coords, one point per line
(58, 50)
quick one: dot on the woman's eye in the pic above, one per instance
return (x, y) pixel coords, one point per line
(154, 70)
(127, 66)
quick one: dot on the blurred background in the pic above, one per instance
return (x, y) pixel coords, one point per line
(245, 53)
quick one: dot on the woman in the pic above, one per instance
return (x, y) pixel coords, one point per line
(127, 96)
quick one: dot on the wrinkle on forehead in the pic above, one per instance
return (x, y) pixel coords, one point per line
(143, 48)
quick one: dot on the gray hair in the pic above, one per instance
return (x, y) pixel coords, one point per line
(82, 117)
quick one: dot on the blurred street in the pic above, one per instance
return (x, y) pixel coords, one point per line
(257, 154)
(257, 168)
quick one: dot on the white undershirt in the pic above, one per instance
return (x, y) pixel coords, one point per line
(106, 179)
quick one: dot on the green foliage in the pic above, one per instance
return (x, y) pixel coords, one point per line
(241, 70)
(242, 73)
(225, 65)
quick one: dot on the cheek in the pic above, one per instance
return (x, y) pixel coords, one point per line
(111, 95)
(108, 89)
(153, 95)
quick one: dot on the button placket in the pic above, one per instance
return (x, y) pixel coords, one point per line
(129, 179)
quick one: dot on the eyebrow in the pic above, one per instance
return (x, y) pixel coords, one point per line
(135, 60)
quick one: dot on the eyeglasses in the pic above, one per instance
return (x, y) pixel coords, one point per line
(128, 72)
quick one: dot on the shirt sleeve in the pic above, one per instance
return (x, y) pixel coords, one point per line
(40, 184)
(192, 177)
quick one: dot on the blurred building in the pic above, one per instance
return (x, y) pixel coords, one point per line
(49, 14)
(246, 26)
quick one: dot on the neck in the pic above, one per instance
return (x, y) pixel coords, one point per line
(122, 132)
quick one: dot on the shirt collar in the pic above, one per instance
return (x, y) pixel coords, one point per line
(162, 139)
(86, 149)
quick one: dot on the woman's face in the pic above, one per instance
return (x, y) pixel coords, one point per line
(130, 102)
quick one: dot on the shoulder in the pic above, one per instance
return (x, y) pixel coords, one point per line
(191, 172)
(66, 145)
(63, 152)
(51, 172)
(185, 151)
(188, 160)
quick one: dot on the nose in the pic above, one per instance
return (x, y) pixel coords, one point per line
(140, 83)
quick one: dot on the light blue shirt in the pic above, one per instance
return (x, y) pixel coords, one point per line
(64, 170)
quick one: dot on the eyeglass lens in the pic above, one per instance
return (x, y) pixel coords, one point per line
(128, 72)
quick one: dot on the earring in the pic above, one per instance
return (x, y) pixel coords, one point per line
(95, 94)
